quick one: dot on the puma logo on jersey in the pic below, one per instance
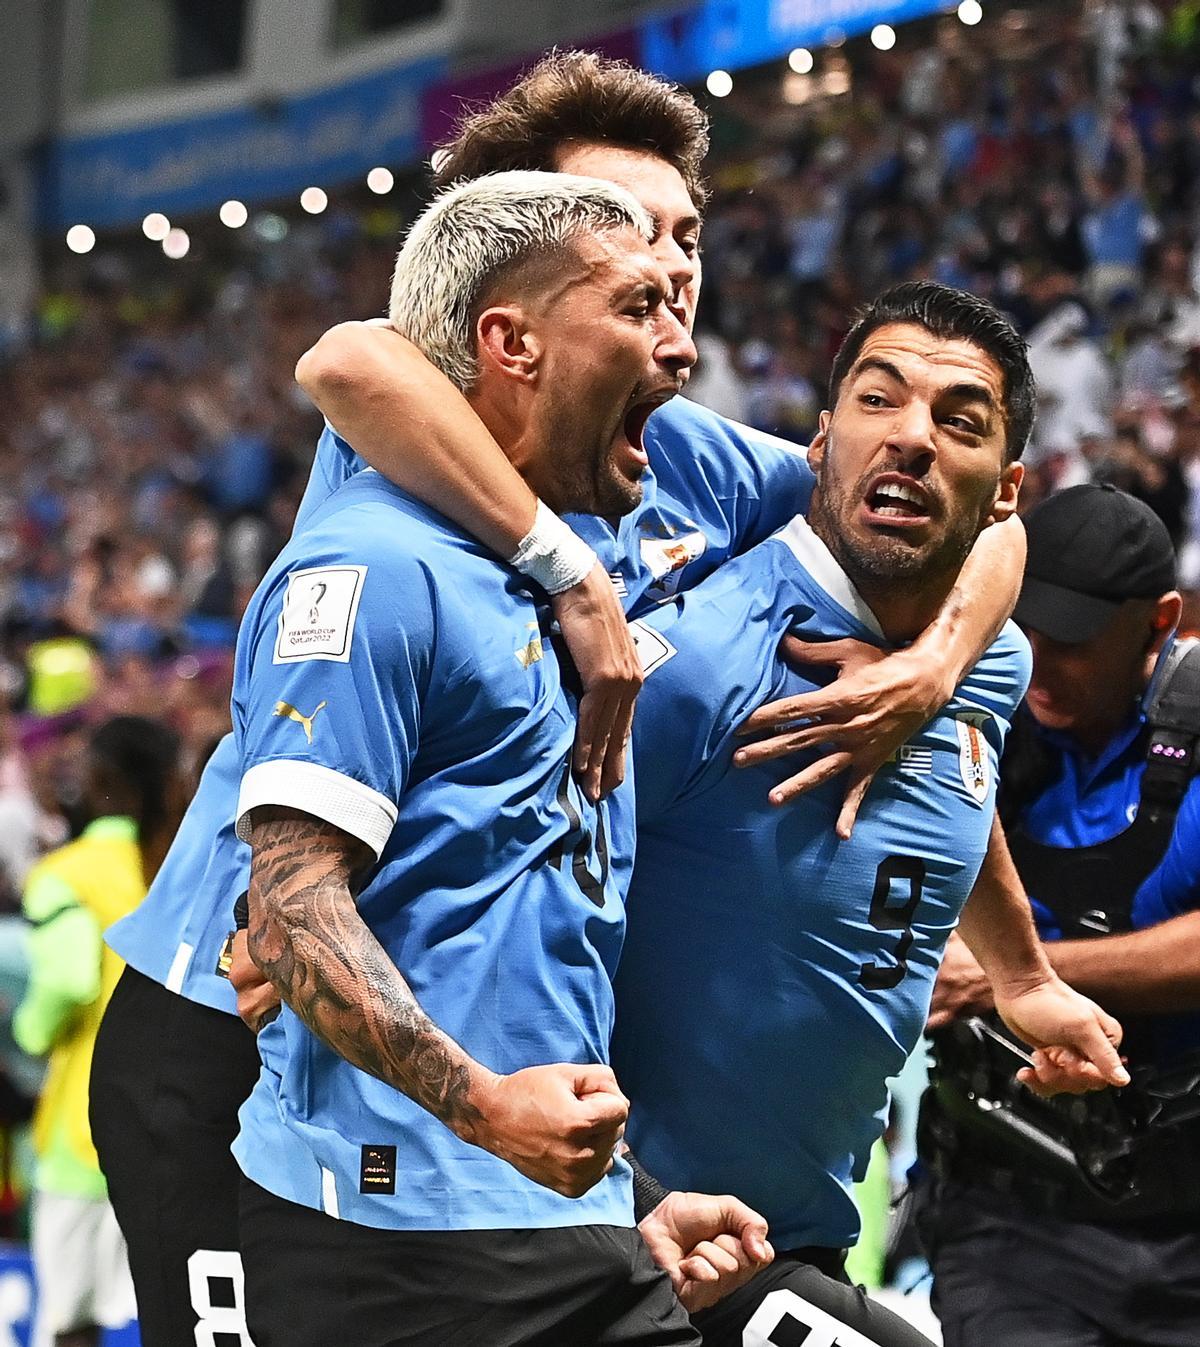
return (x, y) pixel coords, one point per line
(288, 712)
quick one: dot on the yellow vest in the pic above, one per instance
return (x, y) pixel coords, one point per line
(103, 868)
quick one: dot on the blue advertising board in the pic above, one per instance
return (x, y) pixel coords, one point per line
(18, 1301)
(729, 34)
(251, 152)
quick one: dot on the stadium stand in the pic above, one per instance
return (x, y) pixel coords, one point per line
(155, 444)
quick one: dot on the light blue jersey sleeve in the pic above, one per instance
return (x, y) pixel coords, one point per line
(757, 480)
(333, 660)
(333, 464)
(713, 490)
(998, 681)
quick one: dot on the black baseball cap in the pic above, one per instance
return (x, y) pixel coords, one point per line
(1090, 549)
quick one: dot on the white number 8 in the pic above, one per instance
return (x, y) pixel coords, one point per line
(824, 1329)
(205, 1266)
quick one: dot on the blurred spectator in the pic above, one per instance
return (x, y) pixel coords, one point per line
(1048, 158)
(132, 801)
(1074, 382)
(1157, 481)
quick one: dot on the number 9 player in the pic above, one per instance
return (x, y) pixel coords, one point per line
(774, 975)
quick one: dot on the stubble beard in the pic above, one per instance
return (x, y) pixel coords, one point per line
(879, 563)
(600, 488)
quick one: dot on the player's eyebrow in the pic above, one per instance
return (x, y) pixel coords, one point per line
(881, 366)
(969, 392)
(639, 287)
(684, 223)
(965, 391)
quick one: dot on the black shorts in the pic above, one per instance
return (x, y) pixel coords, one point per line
(794, 1302)
(168, 1078)
(313, 1281)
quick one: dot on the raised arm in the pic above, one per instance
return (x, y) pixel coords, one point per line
(412, 425)
(879, 701)
(557, 1124)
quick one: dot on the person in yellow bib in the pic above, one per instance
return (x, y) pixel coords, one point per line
(132, 790)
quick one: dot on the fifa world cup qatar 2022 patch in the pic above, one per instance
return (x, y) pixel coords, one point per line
(319, 611)
(972, 753)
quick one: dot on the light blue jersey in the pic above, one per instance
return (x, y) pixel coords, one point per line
(391, 679)
(714, 488)
(773, 976)
(178, 933)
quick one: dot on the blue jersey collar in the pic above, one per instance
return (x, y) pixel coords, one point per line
(821, 564)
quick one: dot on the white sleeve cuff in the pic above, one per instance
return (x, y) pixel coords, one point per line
(347, 804)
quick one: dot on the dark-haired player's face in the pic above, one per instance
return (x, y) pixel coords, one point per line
(660, 188)
(613, 351)
(910, 463)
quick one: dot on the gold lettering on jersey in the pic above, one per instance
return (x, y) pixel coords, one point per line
(288, 712)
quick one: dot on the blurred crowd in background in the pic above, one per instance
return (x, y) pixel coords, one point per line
(155, 445)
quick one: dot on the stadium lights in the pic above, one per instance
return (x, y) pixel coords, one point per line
(81, 239)
(176, 244)
(883, 36)
(313, 200)
(233, 214)
(970, 12)
(801, 60)
(380, 180)
(156, 226)
(719, 83)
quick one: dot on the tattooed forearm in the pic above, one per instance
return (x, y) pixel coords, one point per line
(307, 937)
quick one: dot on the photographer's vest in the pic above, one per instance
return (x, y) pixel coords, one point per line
(1026, 1147)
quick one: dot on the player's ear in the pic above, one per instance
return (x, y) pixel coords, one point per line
(507, 343)
(816, 450)
(1007, 493)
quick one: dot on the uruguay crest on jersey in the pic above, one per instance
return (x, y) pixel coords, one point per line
(972, 753)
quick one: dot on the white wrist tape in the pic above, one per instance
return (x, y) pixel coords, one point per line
(551, 554)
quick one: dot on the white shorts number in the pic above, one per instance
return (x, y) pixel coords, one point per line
(826, 1331)
(204, 1267)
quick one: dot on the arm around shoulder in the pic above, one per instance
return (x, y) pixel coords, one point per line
(415, 427)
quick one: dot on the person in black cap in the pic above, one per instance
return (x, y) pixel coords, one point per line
(1079, 1226)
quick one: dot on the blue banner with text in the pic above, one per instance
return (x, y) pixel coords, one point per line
(252, 152)
(730, 34)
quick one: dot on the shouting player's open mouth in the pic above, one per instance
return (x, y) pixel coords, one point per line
(893, 500)
(629, 450)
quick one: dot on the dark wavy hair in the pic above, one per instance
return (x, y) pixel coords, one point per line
(948, 314)
(580, 96)
(140, 756)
